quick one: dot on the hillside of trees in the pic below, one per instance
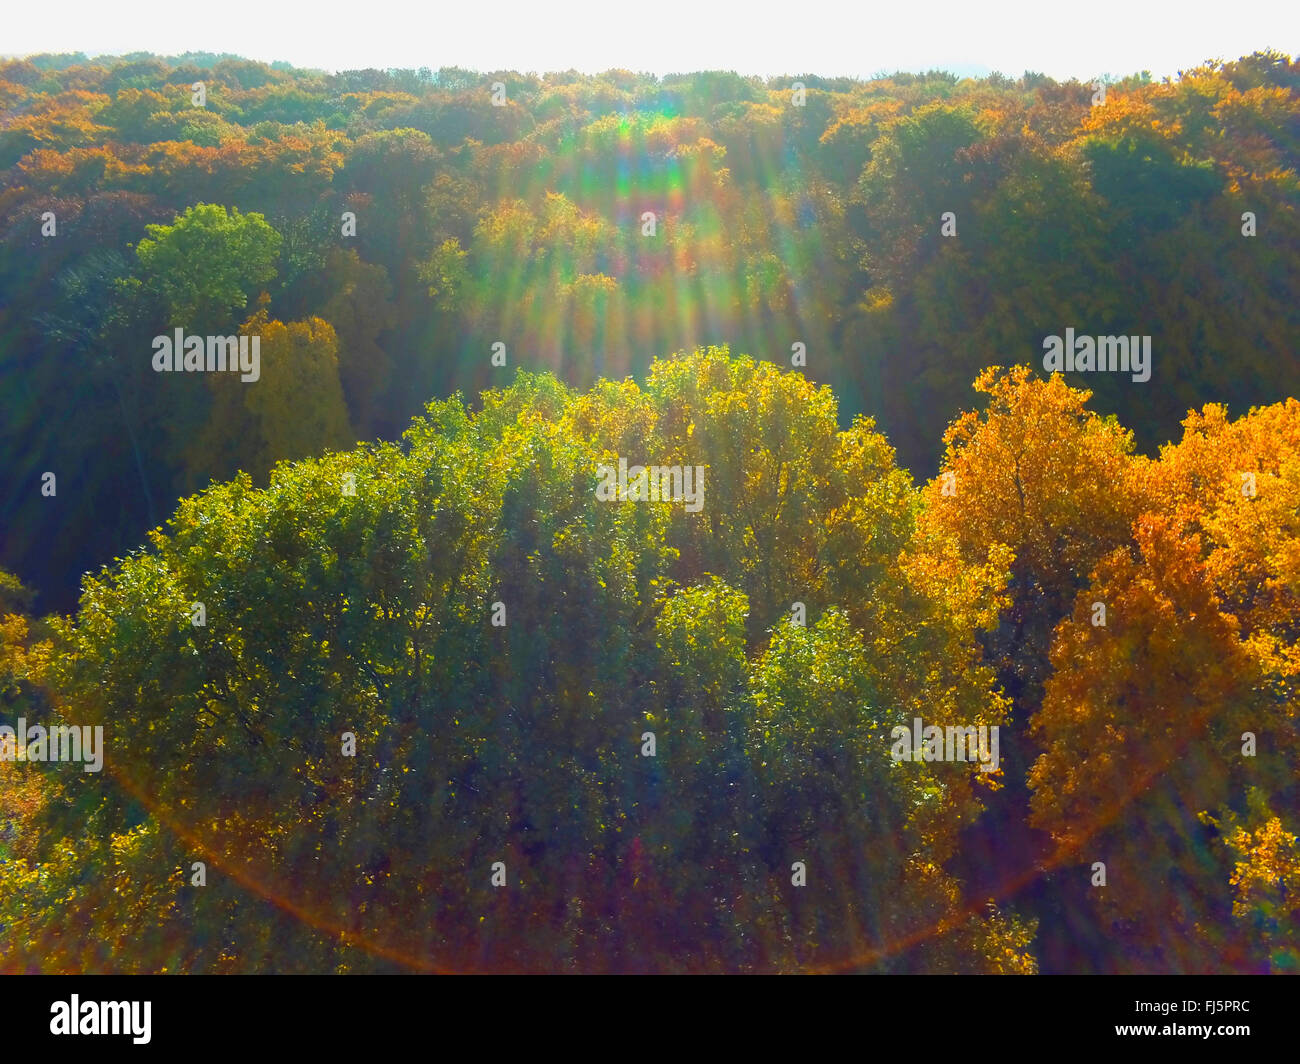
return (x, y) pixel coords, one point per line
(407, 728)
(373, 613)
(521, 224)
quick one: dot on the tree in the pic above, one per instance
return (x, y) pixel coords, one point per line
(369, 609)
(207, 264)
(294, 409)
(1194, 667)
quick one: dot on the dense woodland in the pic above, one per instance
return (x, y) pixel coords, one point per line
(950, 544)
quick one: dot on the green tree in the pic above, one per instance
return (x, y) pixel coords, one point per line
(207, 264)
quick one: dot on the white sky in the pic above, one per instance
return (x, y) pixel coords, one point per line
(1062, 38)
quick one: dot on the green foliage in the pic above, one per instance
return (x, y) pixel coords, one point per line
(776, 224)
(369, 612)
(207, 263)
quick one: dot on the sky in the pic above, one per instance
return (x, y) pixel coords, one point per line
(1082, 39)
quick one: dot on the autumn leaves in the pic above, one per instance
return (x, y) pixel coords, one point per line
(1178, 706)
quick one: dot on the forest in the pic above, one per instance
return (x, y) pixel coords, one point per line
(387, 682)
